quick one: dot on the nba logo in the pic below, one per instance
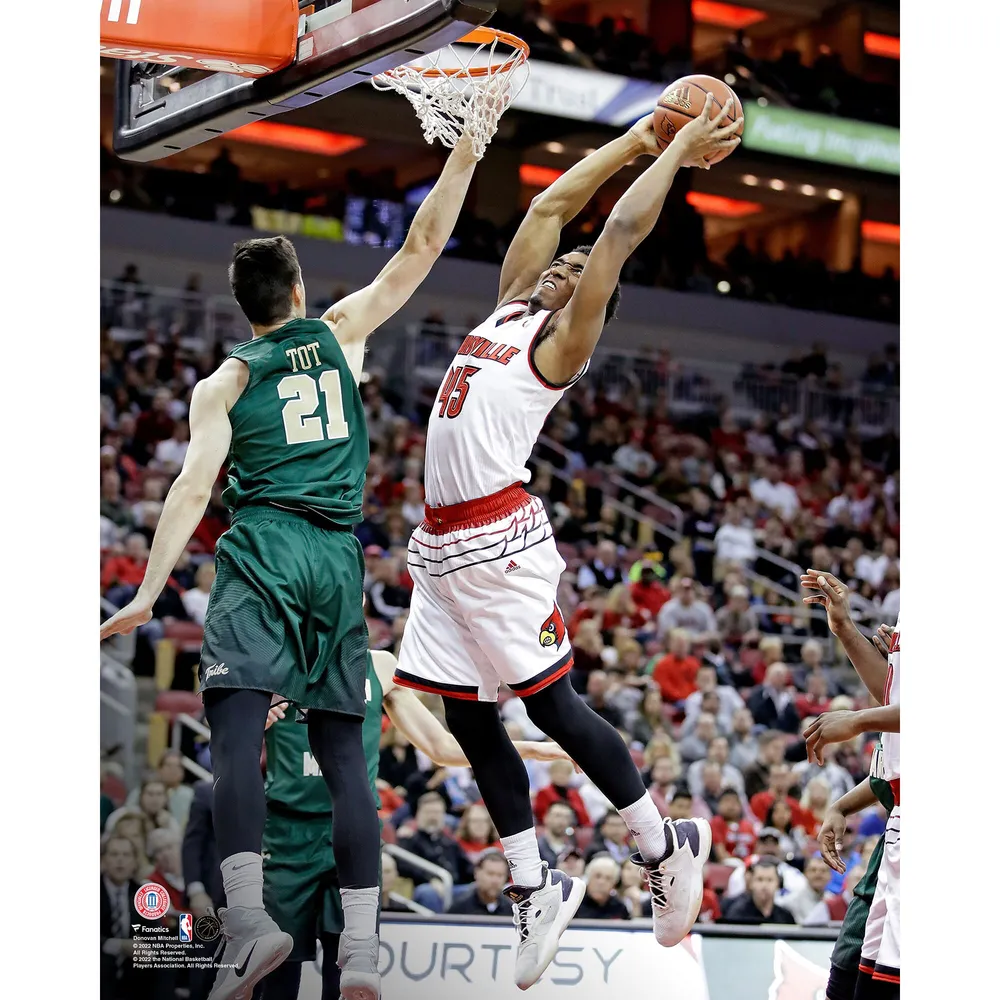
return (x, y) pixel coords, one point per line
(184, 928)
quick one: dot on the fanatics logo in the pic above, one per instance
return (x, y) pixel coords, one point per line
(511, 566)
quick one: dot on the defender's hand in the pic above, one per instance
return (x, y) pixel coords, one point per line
(277, 710)
(705, 135)
(831, 840)
(882, 639)
(833, 595)
(830, 728)
(134, 614)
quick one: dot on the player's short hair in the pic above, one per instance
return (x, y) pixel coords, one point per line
(261, 275)
(616, 296)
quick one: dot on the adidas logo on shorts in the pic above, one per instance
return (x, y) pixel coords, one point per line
(511, 566)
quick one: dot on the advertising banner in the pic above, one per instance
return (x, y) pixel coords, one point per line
(590, 95)
(441, 960)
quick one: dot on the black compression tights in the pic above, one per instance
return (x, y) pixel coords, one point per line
(336, 744)
(560, 713)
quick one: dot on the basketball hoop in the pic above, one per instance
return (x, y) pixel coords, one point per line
(464, 87)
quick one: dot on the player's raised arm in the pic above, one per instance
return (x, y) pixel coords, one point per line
(357, 315)
(187, 499)
(537, 238)
(561, 355)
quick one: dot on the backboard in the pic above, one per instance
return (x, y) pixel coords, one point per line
(161, 109)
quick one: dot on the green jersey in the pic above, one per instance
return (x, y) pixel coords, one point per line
(293, 781)
(300, 439)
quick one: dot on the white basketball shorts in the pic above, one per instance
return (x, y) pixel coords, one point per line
(484, 608)
(880, 951)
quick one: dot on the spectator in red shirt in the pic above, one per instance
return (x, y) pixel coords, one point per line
(733, 835)
(155, 424)
(648, 592)
(126, 570)
(621, 610)
(591, 607)
(728, 436)
(164, 848)
(559, 790)
(816, 700)
(476, 833)
(675, 672)
(779, 782)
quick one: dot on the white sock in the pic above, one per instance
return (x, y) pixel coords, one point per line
(243, 880)
(521, 852)
(645, 824)
(360, 911)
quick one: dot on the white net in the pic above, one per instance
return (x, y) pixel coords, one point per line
(464, 87)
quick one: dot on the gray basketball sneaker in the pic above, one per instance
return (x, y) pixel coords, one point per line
(255, 946)
(358, 961)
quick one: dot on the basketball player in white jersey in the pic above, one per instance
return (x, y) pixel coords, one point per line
(878, 971)
(485, 565)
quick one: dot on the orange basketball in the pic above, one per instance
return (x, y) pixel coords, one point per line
(684, 99)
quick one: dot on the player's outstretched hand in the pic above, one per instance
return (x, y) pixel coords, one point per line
(545, 751)
(833, 595)
(134, 614)
(704, 136)
(644, 132)
(829, 728)
(831, 840)
(882, 639)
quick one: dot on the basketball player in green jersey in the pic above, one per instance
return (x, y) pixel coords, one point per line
(847, 951)
(286, 609)
(301, 885)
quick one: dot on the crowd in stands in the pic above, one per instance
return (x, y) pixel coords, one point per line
(694, 645)
(674, 257)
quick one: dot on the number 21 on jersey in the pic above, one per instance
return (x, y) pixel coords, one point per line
(302, 393)
(455, 389)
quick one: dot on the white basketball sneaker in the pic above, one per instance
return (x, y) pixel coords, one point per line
(675, 881)
(541, 914)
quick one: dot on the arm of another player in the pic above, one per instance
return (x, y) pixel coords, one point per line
(831, 834)
(418, 724)
(359, 314)
(835, 597)
(537, 238)
(567, 349)
(187, 499)
(839, 727)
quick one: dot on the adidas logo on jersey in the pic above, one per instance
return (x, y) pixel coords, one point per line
(511, 566)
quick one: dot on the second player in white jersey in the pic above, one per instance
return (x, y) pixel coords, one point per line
(490, 408)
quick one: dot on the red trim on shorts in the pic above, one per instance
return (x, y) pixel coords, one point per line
(885, 974)
(864, 967)
(894, 785)
(548, 676)
(460, 691)
(475, 513)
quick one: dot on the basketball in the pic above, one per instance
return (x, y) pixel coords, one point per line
(684, 100)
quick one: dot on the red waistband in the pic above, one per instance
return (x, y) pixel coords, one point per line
(475, 513)
(894, 785)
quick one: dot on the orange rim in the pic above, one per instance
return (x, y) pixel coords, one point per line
(483, 36)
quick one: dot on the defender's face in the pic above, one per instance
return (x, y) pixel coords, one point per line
(558, 280)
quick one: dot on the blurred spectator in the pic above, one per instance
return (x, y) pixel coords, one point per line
(397, 762)
(730, 702)
(767, 846)
(675, 672)
(600, 902)
(596, 699)
(196, 599)
(560, 790)
(685, 611)
(170, 452)
(200, 857)
(556, 835)
(622, 611)
(387, 598)
(610, 837)
(838, 779)
(772, 703)
(833, 907)
(774, 494)
(430, 841)
(743, 745)
(732, 833)
(128, 569)
(801, 903)
(390, 876)
(711, 785)
(179, 796)
(771, 751)
(757, 905)
(648, 591)
(117, 915)
(647, 719)
(779, 784)
(571, 862)
(718, 753)
(602, 570)
(153, 804)
(734, 541)
(700, 527)
(736, 618)
(476, 833)
(485, 897)
(816, 699)
(164, 848)
(779, 817)
(695, 746)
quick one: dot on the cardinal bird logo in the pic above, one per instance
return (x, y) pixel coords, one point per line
(795, 977)
(553, 630)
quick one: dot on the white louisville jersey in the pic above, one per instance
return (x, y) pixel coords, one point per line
(489, 410)
(890, 741)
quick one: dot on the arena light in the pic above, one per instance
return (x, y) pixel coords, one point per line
(723, 287)
(302, 140)
(555, 147)
(750, 180)
(808, 190)
(534, 175)
(725, 208)
(725, 15)
(886, 46)
(835, 195)
(776, 185)
(880, 232)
